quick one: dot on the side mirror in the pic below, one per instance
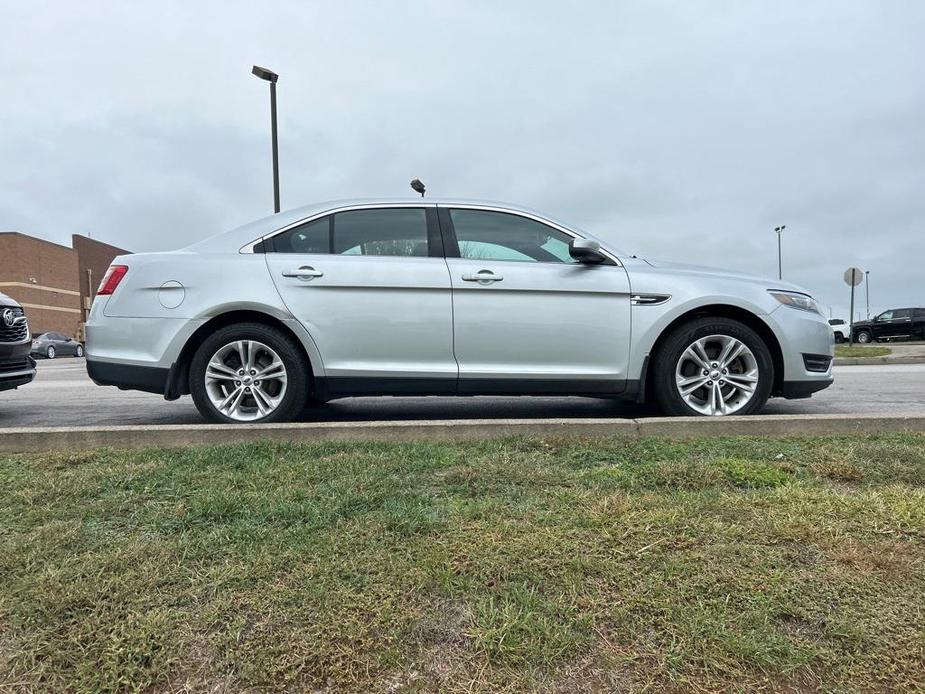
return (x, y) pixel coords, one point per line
(586, 251)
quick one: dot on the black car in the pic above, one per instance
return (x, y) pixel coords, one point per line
(51, 345)
(17, 368)
(895, 324)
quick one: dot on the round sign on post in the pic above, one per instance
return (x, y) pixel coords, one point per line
(853, 276)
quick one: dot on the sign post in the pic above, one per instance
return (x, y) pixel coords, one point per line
(853, 277)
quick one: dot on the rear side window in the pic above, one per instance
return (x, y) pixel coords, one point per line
(401, 232)
(385, 232)
(920, 313)
(902, 313)
(314, 237)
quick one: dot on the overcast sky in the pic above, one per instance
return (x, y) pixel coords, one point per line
(683, 131)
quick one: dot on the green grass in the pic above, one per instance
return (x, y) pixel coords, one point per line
(553, 565)
(861, 351)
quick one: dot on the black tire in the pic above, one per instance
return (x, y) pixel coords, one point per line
(79, 352)
(669, 353)
(864, 337)
(49, 352)
(297, 371)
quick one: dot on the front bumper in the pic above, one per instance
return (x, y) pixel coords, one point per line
(806, 340)
(17, 368)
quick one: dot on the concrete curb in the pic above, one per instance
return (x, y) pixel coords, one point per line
(886, 359)
(38, 439)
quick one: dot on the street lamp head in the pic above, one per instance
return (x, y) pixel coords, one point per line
(780, 228)
(417, 186)
(265, 74)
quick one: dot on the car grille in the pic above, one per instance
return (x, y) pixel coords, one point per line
(14, 366)
(16, 332)
(818, 363)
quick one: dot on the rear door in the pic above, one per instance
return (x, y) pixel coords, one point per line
(918, 323)
(899, 324)
(372, 288)
(527, 317)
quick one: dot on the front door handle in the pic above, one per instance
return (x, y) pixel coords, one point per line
(306, 272)
(482, 276)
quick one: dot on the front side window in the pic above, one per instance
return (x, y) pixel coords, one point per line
(886, 315)
(485, 235)
(395, 232)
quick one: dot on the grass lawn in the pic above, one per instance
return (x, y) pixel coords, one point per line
(861, 350)
(556, 565)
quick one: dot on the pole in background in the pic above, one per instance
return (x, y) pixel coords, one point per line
(867, 290)
(272, 77)
(780, 272)
(853, 277)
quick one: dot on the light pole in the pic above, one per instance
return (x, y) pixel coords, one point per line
(780, 272)
(271, 77)
(867, 290)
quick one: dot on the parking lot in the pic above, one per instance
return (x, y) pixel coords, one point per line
(62, 395)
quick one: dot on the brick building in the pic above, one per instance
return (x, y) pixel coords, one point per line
(54, 283)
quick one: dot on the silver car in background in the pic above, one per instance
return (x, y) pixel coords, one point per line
(444, 298)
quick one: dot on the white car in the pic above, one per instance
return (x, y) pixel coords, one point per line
(444, 298)
(841, 329)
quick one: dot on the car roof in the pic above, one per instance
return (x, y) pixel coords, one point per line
(231, 241)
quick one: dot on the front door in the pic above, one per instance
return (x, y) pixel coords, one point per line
(527, 317)
(371, 287)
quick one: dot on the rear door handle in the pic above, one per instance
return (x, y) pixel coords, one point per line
(483, 276)
(306, 272)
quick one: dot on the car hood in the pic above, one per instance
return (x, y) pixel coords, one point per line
(863, 323)
(704, 271)
(7, 300)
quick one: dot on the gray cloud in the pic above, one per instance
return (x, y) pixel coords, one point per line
(682, 131)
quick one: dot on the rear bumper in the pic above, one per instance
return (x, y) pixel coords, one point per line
(150, 379)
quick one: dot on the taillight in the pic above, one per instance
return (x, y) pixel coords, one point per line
(111, 279)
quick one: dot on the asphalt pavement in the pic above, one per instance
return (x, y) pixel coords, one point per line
(63, 395)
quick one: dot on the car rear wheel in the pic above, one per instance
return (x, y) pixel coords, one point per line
(713, 367)
(864, 337)
(50, 352)
(249, 372)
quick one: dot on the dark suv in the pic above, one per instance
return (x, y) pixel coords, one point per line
(17, 368)
(895, 324)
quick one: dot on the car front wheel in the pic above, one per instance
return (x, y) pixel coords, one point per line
(713, 367)
(79, 352)
(249, 372)
(863, 337)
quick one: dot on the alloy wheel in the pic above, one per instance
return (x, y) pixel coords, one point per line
(717, 375)
(246, 380)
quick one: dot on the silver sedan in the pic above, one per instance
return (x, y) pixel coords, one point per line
(444, 298)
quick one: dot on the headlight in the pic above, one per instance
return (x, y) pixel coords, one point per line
(803, 302)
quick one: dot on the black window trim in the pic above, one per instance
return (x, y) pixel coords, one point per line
(435, 241)
(451, 243)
